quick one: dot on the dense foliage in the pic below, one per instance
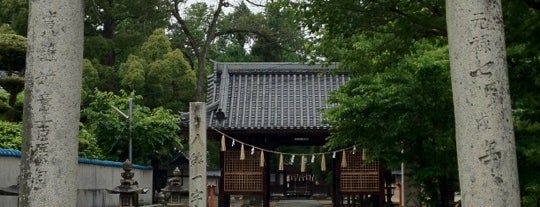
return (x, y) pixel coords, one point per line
(12, 107)
(404, 114)
(116, 29)
(11, 138)
(14, 13)
(160, 74)
(10, 135)
(373, 39)
(12, 51)
(522, 25)
(154, 132)
(338, 27)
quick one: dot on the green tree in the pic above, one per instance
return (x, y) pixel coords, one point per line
(88, 146)
(115, 29)
(11, 138)
(226, 52)
(12, 62)
(14, 13)
(155, 132)
(177, 81)
(11, 109)
(4, 96)
(274, 35)
(10, 135)
(132, 73)
(199, 36)
(195, 17)
(231, 46)
(335, 27)
(408, 107)
(156, 46)
(522, 24)
(370, 36)
(197, 29)
(159, 73)
(284, 39)
(12, 53)
(91, 80)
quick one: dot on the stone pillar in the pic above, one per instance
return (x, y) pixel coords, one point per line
(198, 194)
(52, 103)
(484, 131)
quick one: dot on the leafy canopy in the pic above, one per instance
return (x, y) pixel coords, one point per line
(160, 74)
(403, 114)
(155, 132)
(10, 135)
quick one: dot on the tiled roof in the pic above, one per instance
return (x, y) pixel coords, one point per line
(271, 96)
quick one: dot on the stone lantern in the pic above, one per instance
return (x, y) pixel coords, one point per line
(174, 189)
(160, 198)
(128, 189)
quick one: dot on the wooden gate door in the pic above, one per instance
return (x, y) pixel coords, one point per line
(357, 177)
(242, 177)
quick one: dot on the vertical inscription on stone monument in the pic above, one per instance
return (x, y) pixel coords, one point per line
(42, 123)
(197, 155)
(484, 78)
(484, 130)
(51, 116)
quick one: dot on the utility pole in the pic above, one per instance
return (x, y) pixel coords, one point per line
(130, 127)
(129, 117)
(484, 130)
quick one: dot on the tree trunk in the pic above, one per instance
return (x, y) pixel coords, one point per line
(52, 104)
(108, 34)
(200, 95)
(484, 131)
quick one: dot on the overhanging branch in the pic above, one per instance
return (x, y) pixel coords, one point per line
(191, 39)
(241, 31)
(255, 4)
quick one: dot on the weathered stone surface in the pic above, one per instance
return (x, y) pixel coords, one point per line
(484, 130)
(197, 154)
(52, 103)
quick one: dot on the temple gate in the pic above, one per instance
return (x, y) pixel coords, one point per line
(262, 106)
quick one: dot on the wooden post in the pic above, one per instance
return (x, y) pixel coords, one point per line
(52, 103)
(211, 189)
(484, 130)
(382, 187)
(266, 183)
(198, 194)
(223, 198)
(337, 198)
